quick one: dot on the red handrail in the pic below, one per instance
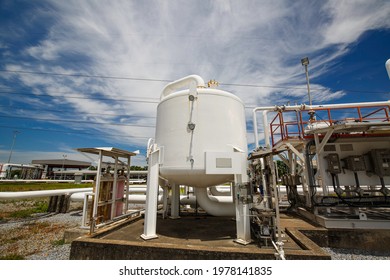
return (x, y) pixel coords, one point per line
(294, 127)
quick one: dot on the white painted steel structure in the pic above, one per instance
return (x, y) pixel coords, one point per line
(114, 153)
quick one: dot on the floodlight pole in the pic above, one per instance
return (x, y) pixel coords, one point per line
(305, 62)
(63, 166)
(13, 144)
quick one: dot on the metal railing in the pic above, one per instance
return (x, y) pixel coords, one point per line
(287, 125)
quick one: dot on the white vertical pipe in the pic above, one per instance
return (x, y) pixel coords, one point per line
(242, 212)
(165, 201)
(151, 197)
(255, 129)
(266, 128)
(175, 202)
(265, 125)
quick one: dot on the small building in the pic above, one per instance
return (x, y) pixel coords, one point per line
(52, 165)
(20, 171)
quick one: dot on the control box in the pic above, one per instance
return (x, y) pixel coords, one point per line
(334, 166)
(378, 161)
(355, 163)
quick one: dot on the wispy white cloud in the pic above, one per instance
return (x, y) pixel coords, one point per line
(350, 19)
(235, 42)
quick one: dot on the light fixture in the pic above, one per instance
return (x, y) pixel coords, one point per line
(305, 62)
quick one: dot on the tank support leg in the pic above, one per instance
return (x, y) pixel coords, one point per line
(242, 212)
(175, 202)
(165, 202)
(151, 197)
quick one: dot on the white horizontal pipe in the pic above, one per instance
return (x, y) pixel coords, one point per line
(140, 199)
(137, 189)
(326, 106)
(79, 196)
(44, 193)
(188, 200)
(41, 181)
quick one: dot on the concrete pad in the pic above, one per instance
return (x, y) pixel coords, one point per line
(191, 237)
(72, 234)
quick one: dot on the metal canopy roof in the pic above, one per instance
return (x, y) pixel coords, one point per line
(62, 162)
(107, 151)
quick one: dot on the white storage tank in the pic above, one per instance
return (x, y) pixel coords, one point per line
(201, 134)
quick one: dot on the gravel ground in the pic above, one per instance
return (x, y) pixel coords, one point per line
(40, 238)
(59, 252)
(348, 254)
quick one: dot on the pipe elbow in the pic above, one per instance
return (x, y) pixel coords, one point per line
(196, 80)
(215, 206)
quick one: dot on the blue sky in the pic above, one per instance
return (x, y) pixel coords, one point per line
(89, 73)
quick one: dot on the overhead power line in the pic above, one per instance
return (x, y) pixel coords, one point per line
(72, 132)
(84, 113)
(75, 121)
(85, 76)
(249, 106)
(82, 97)
(167, 81)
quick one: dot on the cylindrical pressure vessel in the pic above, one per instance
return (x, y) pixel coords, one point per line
(201, 135)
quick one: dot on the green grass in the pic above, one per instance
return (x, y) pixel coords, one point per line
(10, 240)
(12, 257)
(22, 187)
(59, 242)
(39, 207)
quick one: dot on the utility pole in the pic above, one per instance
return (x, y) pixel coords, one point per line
(13, 144)
(63, 165)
